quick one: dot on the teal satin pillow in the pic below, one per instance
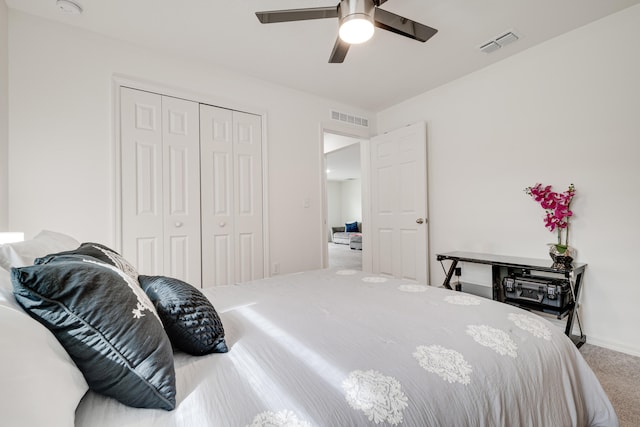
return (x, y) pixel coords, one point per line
(106, 323)
(189, 318)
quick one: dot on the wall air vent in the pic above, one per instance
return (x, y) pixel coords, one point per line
(349, 118)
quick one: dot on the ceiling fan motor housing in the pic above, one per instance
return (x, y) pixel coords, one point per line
(356, 7)
(356, 10)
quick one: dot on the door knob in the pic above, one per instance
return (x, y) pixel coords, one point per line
(178, 224)
(222, 224)
(419, 220)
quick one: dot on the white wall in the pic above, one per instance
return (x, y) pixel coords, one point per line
(565, 111)
(334, 205)
(344, 202)
(351, 201)
(4, 115)
(62, 133)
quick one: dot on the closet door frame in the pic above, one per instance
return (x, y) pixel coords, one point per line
(119, 81)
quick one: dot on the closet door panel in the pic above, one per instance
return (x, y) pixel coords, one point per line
(217, 192)
(141, 163)
(247, 151)
(221, 184)
(222, 257)
(148, 255)
(246, 262)
(147, 202)
(179, 259)
(246, 186)
(181, 165)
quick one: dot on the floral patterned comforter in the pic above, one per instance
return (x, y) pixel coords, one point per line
(343, 348)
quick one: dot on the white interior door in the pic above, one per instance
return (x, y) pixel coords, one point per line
(181, 195)
(141, 165)
(247, 174)
(160, 184)
(231, 171)
(399, 203)
(216, 159)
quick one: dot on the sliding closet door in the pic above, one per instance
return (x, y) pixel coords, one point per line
(160, 184)
(231, 187)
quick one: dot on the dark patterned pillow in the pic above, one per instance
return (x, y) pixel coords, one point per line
(106, 323)
(98, 251)
(191, 322)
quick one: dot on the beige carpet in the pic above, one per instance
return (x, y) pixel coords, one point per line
(341, 256)
(619, 375)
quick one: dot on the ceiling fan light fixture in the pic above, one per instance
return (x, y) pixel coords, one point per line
(356, 28)
(356, 20)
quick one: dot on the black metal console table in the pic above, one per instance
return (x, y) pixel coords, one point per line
(508, 266)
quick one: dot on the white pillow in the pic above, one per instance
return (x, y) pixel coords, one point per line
(41, 386)
(5, 280)
(22, 254)
(6, 291)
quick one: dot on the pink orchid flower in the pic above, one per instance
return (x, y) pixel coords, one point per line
(556, 206)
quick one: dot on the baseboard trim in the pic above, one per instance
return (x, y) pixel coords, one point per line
(615, 346)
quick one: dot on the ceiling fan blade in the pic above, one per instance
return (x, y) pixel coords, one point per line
(273, 16)
(339, 52)
(403, 26)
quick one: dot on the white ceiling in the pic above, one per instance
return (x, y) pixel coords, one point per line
(380, 73)
(333, 142)
(342, 157)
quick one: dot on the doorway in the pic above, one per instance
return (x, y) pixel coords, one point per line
(343, 201)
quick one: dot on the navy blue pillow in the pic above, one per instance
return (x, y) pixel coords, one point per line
(189, 319)
(351, 227)
(106, 323)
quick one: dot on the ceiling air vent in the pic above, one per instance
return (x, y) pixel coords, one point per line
(506, 38)
(490, 47)
(349, 118)
(498, 42)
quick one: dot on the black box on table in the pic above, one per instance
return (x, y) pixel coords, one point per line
(545, 291)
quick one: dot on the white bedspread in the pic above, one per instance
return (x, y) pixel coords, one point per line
(343, 348)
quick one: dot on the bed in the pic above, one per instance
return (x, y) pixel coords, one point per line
(339, 348)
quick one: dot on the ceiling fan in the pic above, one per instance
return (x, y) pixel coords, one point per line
(357, 21)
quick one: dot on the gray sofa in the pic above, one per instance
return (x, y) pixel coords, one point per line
(339, 236)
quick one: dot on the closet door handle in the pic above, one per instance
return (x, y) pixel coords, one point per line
(178, 224)
(222, 224)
